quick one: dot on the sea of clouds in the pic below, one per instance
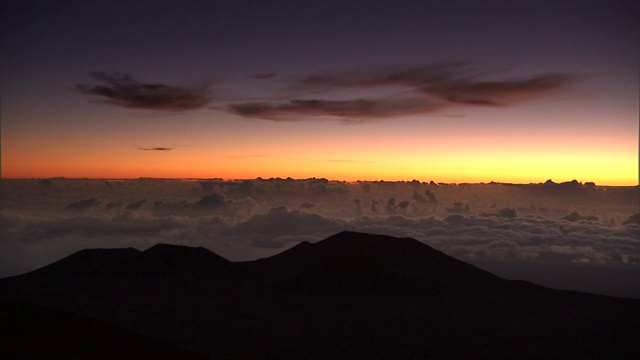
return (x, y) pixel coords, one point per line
(582, 229)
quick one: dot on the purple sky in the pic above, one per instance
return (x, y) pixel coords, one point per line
(215, 84)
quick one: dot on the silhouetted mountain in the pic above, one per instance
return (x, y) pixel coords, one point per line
(32, 332)
(351, 295)
(357, 261)
(401, 255)
(159, 260)
(89, 262)
(174, 260)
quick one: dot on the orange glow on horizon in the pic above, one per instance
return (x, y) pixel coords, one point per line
(322, 150)
(516, 168)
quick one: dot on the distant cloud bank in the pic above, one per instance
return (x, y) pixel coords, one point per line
(568, 223)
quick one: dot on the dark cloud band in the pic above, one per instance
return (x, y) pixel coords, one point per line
(433, 87)
(123, 90)
(156, 149)
(357, 109)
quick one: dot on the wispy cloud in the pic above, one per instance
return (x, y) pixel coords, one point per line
(155, 149)
(452, 82)
(295, 110)
(123, 90)
(424, 89)
(499, 93)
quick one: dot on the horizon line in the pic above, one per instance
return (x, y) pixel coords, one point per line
(259, 178)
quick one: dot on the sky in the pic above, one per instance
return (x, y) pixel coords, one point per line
(455, 91)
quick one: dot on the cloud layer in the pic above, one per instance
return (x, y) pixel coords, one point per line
(242, 220)
(123, 90)
(423, 90)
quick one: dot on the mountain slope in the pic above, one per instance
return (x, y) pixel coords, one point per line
(174, 260)
(89, 262)
(34, 332)
(350, 295)
(159, 260)
(367, 262)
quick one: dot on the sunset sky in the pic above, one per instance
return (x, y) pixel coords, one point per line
(450, 91)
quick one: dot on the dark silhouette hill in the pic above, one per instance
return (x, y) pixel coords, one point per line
(88, 262)
(175, 260)
(352, 295)
(32, 332)
(357, 261)
(158, 260)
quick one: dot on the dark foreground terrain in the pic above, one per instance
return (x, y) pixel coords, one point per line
(351, 295)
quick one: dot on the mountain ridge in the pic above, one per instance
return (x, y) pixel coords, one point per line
(349, 251)
(350, 295)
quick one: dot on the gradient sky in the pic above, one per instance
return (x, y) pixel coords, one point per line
(451, 91)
